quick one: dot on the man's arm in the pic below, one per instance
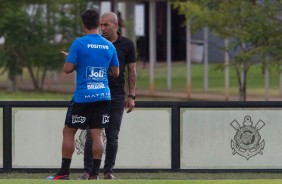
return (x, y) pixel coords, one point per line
(69, 67)
(113, 71)
(130, 103)
(131, 78)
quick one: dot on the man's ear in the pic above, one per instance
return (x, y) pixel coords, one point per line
(83, 27)
(116, 26)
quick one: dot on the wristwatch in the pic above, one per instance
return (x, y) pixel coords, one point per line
(132, 96)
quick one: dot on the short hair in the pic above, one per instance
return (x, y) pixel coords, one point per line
(90, 19)
(112, 15)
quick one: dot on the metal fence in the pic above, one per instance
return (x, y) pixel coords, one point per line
(200, 134)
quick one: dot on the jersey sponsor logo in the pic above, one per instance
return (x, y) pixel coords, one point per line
(97, 46)
(105, 118)
(78, 119)
(97, 85)
(96, 73)
(99, 95)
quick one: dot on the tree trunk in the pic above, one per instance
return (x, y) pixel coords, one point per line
(242, 80)
(33, 78)
(243, 86)
(12, 85)
(43, 77)
(12, 80)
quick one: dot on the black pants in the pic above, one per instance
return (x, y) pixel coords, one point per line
(112, 134)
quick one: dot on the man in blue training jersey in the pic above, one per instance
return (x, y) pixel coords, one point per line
(93, 58)
(127, 60)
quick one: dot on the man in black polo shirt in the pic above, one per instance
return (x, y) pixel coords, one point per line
(126, 55)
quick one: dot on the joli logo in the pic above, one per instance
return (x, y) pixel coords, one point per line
(96, 73)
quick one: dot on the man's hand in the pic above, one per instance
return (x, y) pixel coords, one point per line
(65, 54)
(130, 104)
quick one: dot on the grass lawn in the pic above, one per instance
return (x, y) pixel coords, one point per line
(216, 76)
(148, 182)
(33, 96)
(158, 178)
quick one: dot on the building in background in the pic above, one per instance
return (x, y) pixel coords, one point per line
(136, 17)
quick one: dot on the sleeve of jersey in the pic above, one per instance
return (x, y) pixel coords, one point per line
(131, 57)
(73, 53)
(114, 61)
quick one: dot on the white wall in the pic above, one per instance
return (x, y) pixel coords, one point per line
(1, 135)
(144, 139)
(206, 137)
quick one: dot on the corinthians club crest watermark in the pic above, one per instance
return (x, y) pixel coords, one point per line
(246, 141)
(80, 141)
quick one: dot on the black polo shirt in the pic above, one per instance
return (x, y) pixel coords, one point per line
(126, 54)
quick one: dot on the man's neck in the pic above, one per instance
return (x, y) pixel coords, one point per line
(114, 38)
(92, 31)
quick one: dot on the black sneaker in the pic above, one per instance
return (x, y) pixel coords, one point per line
(93, 177)
(109, 176)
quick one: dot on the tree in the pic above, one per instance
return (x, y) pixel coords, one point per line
(35, 32)
(252, 28)
(12, 24)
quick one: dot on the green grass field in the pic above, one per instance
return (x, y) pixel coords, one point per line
(159, 178)
(255, 78)
(38, 181)
(24, 95)
(255, 81)
(41, 181)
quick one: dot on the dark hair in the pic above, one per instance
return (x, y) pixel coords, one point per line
(90, 19)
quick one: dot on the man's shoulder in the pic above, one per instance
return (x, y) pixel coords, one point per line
(125, 39)
(106, 42)
(126, 43)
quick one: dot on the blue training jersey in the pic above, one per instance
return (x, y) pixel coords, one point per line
(92, 54)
